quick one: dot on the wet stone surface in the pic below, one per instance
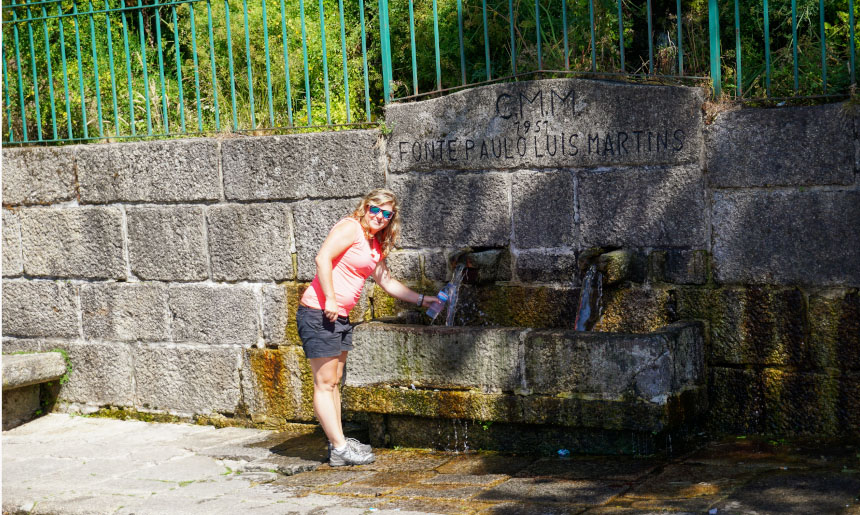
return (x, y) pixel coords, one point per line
(137, 467)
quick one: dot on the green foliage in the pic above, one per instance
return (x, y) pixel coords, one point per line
(141, 93)
(754, 79)
(137, 67)
(68, 360)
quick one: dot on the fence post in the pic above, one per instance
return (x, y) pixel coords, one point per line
(385, 49)
(714, 32)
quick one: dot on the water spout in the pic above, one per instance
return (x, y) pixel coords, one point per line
(590, 299)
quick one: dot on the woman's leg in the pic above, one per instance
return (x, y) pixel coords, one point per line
(341, 364)
(327, 397)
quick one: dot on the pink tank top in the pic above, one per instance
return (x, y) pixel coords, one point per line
(349, 271)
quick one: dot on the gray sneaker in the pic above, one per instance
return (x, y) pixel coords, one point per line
(361, 448)
(349, 456)
(358, 446)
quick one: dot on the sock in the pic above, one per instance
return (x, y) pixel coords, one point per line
(339, 449)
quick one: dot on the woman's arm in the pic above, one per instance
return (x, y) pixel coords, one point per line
(335, 244)
(397, 289)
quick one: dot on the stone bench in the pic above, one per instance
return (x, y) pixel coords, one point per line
(25, 378)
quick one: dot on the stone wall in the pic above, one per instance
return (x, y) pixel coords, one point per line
(170, 270)
(164, 268)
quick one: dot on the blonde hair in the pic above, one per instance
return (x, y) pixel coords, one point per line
(390, 235)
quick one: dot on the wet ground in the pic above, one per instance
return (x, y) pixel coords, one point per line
(62, 464)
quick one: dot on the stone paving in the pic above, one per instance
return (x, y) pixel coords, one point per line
(61, 464)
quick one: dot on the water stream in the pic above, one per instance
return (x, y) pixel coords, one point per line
(453, 293)
(590, 300)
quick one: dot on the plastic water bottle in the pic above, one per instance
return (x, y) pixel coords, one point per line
(434, 310)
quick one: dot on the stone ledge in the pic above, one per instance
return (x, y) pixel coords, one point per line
(579, 411)
(28, 369)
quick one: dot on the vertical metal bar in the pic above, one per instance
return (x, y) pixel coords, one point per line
(740, 74)
(230, 65)
(364, 59)
(487, 41)
(35, 76)
(853, 41)
(385, 48)
(823, 46)
(325, 64)
(681, 41)
(111, 69)
(96, 69)
(196, 64)
(178, 68)
(537, 34)
(621, 34)
(593, 47)
(20, 73)
(794, 43)
(145, 67)
(412, 47)
(268, 65)
(50, 72)
(650, 41)
(766, 48)
(65, 73)
(248, 65)
(305, 56)
(343, 53)
(286, 63)
(436, 41)
(564, 27)
(165, 122)
(714, 30)
(8, 101)
(80, 68)
(128, 74)
(511, 21)
(460, 35)
(212, 62)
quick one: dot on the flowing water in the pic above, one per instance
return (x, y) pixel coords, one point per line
(590, 300)
(453, 292)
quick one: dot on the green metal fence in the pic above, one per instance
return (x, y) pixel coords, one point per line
(76, 70)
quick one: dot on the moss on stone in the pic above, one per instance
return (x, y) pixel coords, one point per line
(735, 402)
(758, 325)
(276, 373)
(517, 306)
(634, 309)
(293, 294)
(384, 305)
(825, 310)
(615, 265)
(568, 411)
(133, 414)
(848, 404)
(798, 403)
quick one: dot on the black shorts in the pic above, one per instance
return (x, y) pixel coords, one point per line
(322, 338)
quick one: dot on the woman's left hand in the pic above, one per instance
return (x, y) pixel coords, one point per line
(429, 300)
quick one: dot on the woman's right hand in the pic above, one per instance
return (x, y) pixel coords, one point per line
(331, 309)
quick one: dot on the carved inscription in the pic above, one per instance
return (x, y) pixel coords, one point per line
(540, 124)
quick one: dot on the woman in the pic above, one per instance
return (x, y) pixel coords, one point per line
(356, 247)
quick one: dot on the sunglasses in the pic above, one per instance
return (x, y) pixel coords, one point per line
(375, 210)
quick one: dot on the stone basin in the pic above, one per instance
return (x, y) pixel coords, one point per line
(527, 390)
